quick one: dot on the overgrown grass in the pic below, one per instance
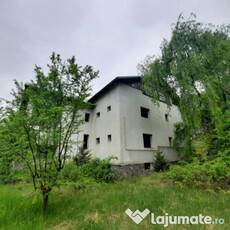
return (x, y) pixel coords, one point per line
(103, 206)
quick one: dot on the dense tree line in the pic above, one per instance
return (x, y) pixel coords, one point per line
(193, 72)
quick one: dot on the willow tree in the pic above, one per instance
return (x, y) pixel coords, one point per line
(43, 117)
(193, 72)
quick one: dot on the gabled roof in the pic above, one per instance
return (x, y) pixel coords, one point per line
(115, 81)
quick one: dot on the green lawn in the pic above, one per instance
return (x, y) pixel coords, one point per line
(103, 206)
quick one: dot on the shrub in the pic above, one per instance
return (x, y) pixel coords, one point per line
(209, 174)
(82, 157)
(70, 172)
(95, 171)
(16, 173)
(100, 170)
(160, 162)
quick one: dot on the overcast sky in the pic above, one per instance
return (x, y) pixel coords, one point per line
(111, 35)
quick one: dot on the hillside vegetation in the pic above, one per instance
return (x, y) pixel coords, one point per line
(103, 206)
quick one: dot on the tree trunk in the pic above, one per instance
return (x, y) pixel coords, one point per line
(45, 201)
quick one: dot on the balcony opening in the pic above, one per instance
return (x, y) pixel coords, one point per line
(147, 138)
(85, 141)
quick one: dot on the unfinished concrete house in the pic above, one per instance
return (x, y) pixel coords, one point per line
(125, 123)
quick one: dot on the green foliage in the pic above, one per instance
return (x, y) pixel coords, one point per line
(160, 163)
(42, 118)
(208, 174)
(83, 156)
(70, 173)
(103, 206)
(18, 175)
(94, 171)
(193, 73)
(100, 170)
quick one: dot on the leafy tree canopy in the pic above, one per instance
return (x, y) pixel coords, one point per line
(42, 118)
(193, 72)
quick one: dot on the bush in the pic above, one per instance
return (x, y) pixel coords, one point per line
(15, 174)
(82, 157)
(209, 174)
(70, 172)
(95, 171)
(100, 170)
(160, 163)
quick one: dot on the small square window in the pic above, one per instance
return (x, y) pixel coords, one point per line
(98, 114)
(147, 166)
(109, 108)
(170, 141)
(109, 138)
(166, 117)
(147, 138)
(144, 112)
(98, 140)
(87, 115)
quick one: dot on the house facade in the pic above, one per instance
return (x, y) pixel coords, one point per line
(125, 123)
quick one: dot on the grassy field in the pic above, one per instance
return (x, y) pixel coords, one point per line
(103, 206)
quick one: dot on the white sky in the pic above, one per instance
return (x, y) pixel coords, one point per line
(111, 35)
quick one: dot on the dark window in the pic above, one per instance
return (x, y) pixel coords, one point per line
(87, 115)
(166, 117)
(109, 108)
(144, 112)
(109, 138)
(98, 140)
(147, 165)
(147, 140)
(170, 141)
(85, 141)
(98, 114)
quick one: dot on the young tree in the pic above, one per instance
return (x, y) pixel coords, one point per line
(193, 73)
(44, 116)
(83, 156)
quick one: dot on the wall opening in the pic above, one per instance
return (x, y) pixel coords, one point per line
(109, 108)
(98, 140)
(85, 141)
(98, 114)
(147, 166)
(166, 117)
(109, 138)
(144, 112)
(87, 115)
(170, 141)
(147, 139)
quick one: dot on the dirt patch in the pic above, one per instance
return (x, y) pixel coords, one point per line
(67, 225)
(158, 183)
(94, 216)
(114, 217)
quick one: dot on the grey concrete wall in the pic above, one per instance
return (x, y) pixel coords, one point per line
(100, 127)
(126, 126)
(133, 125)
